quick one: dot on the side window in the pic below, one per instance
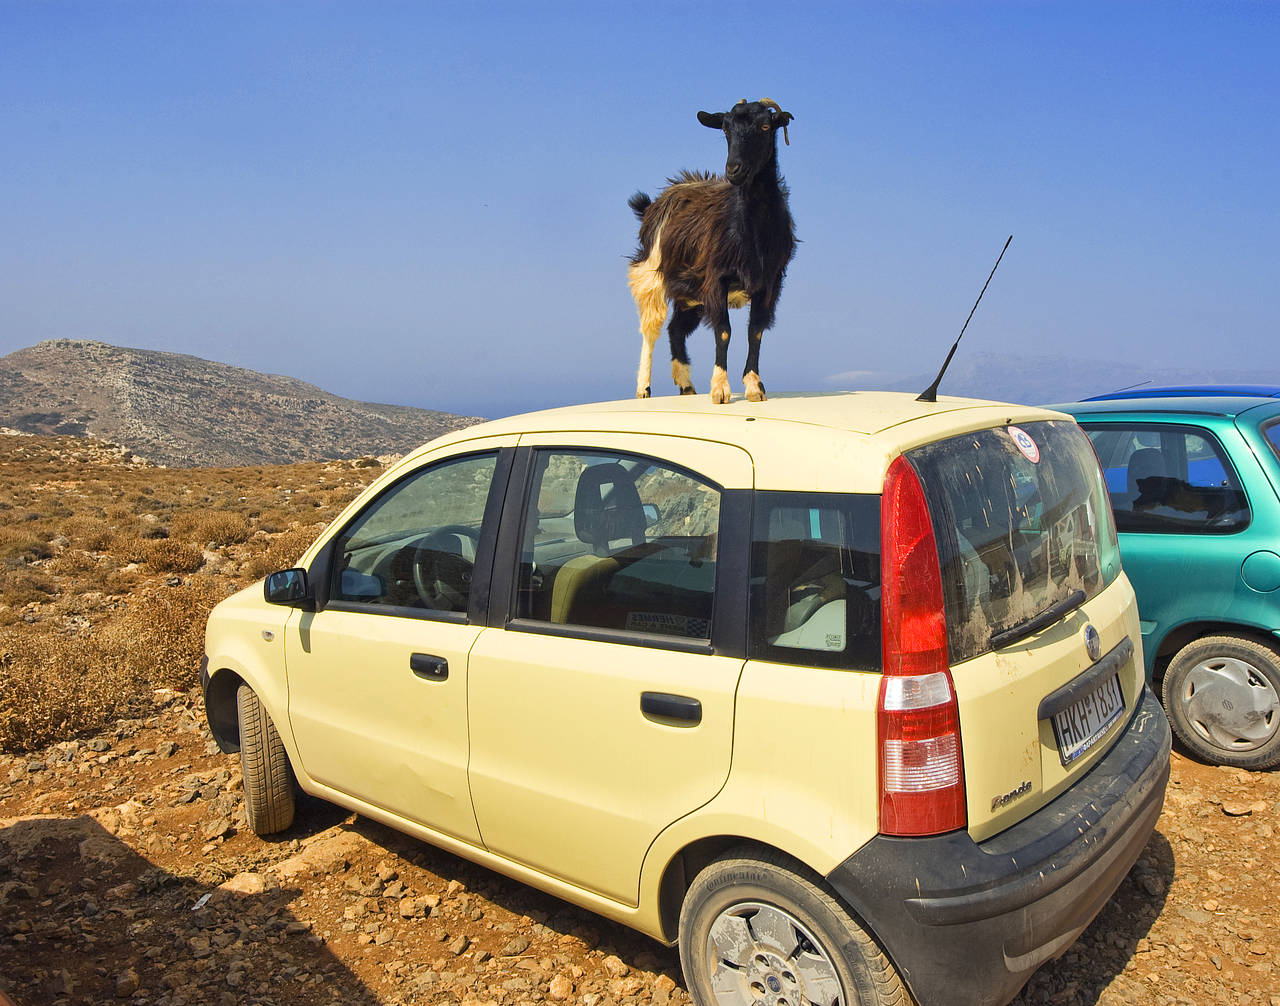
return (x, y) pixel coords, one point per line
(1167, 478)
(815, 579)
(415, 545)
(615, 541)
(1272, 432)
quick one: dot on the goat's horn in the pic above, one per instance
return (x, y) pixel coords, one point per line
(777, 109)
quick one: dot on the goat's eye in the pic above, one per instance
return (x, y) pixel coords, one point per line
(764, 126)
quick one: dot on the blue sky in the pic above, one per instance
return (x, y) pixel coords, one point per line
(425, 203)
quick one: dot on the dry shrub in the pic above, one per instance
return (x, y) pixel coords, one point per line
(221, 529)
(183, 524)
(283, 552)
(89, 533)
(53, 686)
(19, 545)
(168, 555)
(72, 562)
(23, 586)
(116, 582)
(131, 547)
(160, 635)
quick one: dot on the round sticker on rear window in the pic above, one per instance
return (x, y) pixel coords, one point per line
(1025, 444)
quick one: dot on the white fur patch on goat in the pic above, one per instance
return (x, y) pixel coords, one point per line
(650, 293)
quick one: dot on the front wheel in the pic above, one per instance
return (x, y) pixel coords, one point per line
(268, 779)
(755, 929)
(1222, 694)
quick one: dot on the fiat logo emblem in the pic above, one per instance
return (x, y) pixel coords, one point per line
(1092, 643)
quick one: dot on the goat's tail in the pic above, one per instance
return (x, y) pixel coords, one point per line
(639, 203)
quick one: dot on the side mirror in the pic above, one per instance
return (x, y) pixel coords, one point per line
(651, 515)
(288, 586)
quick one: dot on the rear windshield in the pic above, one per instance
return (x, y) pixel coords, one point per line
(1022, 522)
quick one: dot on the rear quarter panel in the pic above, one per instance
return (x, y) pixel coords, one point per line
(803, 775)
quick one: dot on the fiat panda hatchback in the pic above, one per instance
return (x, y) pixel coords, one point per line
(843, 694)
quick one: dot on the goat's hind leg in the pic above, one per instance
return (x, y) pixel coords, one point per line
(720, 391)
(683, 322)
(651, 302)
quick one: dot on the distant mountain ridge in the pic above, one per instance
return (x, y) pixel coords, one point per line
(1044, 380)
(182, 411)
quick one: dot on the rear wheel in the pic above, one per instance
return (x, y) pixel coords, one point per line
(268, 779)
(757, 930)
(1222, 694)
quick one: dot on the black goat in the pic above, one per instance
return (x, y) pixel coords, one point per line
(709, 243)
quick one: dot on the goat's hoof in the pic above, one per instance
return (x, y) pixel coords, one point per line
(720, 391)
(642, 393)
(688, 390)
(754, 388)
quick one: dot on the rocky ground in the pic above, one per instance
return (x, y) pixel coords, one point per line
(127, 874)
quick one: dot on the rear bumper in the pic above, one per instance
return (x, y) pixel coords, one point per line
(967, 923)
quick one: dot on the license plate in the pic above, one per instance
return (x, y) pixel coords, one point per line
(1082, 724)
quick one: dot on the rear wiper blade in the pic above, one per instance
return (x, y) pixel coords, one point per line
(1038, 621)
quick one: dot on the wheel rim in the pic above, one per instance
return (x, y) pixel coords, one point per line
(763, 956)
(1231, 704)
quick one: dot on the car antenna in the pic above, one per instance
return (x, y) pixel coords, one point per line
(1127, 387)
(930, 394)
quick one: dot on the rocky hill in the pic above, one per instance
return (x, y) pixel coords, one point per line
(182, 411)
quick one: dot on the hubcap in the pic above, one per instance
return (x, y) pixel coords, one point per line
(1230, 704)
(761, 955)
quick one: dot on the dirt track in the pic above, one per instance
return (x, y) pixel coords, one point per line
(127, 875)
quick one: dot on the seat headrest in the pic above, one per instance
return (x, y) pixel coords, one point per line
(1143, 464)
(607, 508)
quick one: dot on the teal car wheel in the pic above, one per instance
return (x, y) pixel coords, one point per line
(1222, 694)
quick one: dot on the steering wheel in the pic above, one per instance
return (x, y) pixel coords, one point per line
(442, 576)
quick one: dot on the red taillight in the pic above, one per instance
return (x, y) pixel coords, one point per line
(921, 765)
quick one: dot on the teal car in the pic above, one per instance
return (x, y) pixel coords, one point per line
(1195, 487)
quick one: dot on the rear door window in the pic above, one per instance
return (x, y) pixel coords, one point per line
(815, 579)
(1169, 478)
(1022, 520)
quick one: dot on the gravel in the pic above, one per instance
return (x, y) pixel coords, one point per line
(128, 875)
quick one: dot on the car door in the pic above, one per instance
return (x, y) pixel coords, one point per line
(378, 674)
(1182, 514)
(601, 709)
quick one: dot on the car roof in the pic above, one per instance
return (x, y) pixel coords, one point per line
(819, 440)
(1198, 405)
(1188, 390)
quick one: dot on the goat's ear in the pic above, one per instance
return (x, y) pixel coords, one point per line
(781, 119)
(712, 120)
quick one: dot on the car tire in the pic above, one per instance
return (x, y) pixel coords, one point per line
(268, 779)
(1222, 694)
(758, 927)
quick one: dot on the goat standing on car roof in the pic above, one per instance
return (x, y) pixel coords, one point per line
(709, 243)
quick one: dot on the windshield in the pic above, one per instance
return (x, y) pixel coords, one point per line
(1022, 521)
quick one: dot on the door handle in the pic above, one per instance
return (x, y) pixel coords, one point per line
(664, 706)
(424, 665)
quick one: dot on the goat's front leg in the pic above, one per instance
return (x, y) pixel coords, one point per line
(760, 319)
(720, 391)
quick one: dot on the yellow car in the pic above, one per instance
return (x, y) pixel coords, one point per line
(842, 693)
